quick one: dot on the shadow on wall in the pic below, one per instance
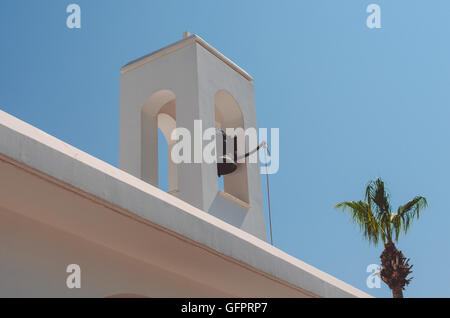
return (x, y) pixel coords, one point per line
(228, 211)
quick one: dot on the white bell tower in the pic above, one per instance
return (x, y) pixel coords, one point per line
(186, 81)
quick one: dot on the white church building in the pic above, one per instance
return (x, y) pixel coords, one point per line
(72, 225)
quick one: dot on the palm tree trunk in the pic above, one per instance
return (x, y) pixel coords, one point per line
(397, 293)
(394, 269)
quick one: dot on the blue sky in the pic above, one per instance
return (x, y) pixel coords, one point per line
(352, 104)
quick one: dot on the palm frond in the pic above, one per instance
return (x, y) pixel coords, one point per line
(374, 214)
(361, 214)
(378, 198)
(406, 213)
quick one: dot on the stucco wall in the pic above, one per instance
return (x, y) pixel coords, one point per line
(34, 258)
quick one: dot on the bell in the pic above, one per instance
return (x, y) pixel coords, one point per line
(226, 165)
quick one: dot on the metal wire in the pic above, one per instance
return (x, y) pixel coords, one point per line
(268, 193)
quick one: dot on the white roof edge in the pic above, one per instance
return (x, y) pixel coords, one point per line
(178, 45)
(19, 127)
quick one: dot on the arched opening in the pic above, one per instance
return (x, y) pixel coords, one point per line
(229, 118)
(158, 120)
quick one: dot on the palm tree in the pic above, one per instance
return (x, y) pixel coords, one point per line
(377, 222)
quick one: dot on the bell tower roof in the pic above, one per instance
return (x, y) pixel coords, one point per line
(180, 44)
